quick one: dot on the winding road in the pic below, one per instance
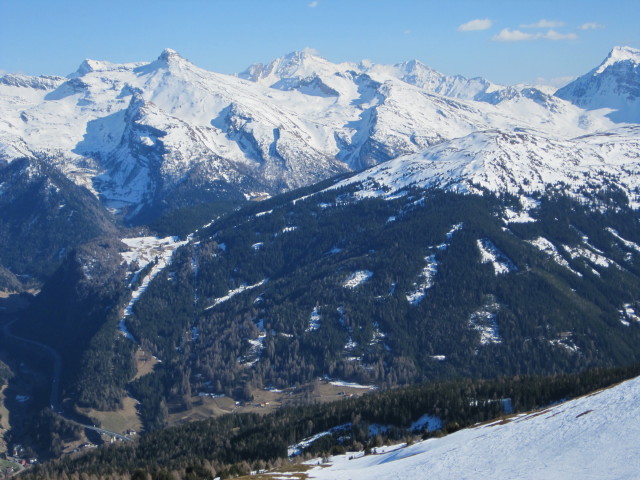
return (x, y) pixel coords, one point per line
(54, 401)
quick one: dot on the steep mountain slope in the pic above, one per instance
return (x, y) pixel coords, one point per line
(329, 284)
(592, 436)
(43, 215)
(614, 84)
(147, 137)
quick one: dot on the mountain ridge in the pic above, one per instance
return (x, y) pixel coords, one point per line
(272, 128)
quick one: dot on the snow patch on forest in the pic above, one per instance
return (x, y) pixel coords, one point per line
(342, 383)
(489, 253)
(357, 278)
(297, 448)
(587, 253)
(626, 243)
(484, 322)
(550, 249)
(426, 281)
(232, 293)
(314, 321)
(430, 422)
(628, 314)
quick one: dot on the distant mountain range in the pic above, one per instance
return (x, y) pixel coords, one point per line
(149, 137)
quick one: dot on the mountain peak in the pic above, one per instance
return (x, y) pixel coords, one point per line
(168, 54)
(614, 84)
(299, 63)
(620, 54)
(88, 66)
(625, 53)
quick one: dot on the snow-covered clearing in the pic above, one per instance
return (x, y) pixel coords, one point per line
(626, 243)
(426, 281)
(232, 293)
(314, 320)
(297, 449)
(357, 278)
(550, 249)
(484, 322)
(143, 251)
(427, 421)
(341, 383)
(489, 253)
(593, 437)
(628, 314)
(419, 291)
(589, 254)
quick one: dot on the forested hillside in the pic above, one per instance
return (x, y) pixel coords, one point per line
(237, 444)
(426, 286)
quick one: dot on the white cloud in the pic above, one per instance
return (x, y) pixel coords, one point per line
(313, 4)
(555, 82)
(553, 35)
(507, 35)
(591, 26)
(311, 51)
(544, 24)
(407, 32)
(477, 24)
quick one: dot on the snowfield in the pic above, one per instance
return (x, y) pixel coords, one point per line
(592, 437)
(514, 162)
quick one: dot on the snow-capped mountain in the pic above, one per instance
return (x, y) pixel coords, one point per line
(150, 136)
(589, 437)
(614, 84)
(515, 162)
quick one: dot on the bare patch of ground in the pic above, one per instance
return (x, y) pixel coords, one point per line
(264, 401)
(119, 421)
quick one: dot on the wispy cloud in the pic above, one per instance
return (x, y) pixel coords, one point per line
(313, 4)
(591, 26)
(544, 24)
(555, 82)
(477, 24)
(507, 35)
(553, 35)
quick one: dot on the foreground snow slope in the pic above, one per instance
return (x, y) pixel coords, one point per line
(593, 437)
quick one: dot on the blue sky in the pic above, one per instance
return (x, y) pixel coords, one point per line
(506, 41)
